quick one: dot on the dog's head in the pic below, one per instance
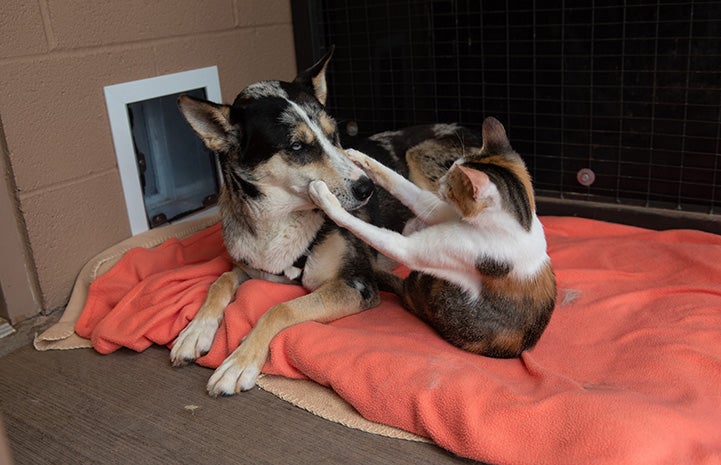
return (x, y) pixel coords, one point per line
(275, 139)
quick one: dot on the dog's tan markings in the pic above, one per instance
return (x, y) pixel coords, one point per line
(331, 301)
(319, 85)
(327, 124)
(195, 340)
(302, 133)
(325, 262)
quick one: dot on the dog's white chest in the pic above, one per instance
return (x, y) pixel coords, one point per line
(276, 246)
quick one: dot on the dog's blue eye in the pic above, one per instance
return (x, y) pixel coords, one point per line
(296, 146)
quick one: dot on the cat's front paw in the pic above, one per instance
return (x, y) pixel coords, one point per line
(359, 158)
(323, 197)
(375, 170)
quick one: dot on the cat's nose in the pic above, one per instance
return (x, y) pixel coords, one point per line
(362, 188)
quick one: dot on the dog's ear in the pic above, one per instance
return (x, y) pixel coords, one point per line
(313, 78)
(210, 121)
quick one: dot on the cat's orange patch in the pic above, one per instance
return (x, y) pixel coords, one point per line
(508, 343)
(460, 192)
(502, 344)
(538, 289)
(478, 179)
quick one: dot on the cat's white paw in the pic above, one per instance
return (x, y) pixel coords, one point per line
(194, 341)
(238, 372)
(323, 197)
(375, 170)
(356, 157)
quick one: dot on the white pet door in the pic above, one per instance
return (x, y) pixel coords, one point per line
(167, 173)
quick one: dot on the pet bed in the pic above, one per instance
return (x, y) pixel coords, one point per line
(628, 370)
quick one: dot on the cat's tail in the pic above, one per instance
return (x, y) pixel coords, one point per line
(389, 282)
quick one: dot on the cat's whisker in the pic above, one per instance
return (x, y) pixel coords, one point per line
(428, 209)
(462, 145)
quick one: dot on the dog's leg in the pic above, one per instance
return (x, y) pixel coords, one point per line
(332, 300)
(195, 340)
(390, 243)
(424, 204)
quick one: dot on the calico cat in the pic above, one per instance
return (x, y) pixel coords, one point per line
(480, 276)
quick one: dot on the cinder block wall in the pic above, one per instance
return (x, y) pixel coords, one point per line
(55, 59)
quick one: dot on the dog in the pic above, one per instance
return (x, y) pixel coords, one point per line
(272, 142)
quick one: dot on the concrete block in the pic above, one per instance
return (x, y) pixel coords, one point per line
(79, 23)
(243, 56)
(263, 13)
(70, 224)
(54, 113)
(22, 31)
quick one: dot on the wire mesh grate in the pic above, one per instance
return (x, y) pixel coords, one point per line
(630, 90)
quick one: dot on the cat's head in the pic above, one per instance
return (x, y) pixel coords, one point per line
(495, 179)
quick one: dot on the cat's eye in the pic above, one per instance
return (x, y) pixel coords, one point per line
(296, 146)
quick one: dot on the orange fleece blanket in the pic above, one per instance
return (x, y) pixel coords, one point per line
(627, 372)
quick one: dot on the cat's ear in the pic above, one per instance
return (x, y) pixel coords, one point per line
(478, 180)
(495, 139)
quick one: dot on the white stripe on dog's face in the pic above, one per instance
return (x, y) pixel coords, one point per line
(339, 161)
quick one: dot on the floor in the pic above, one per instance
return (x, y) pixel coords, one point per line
(77, 406)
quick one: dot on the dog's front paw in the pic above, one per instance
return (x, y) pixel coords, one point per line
(323, 197)
(193, 342)
(238, 372)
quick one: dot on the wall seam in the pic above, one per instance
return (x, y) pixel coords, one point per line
(65, 183)
(236, 17)
(47, 25)
(77, 52)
